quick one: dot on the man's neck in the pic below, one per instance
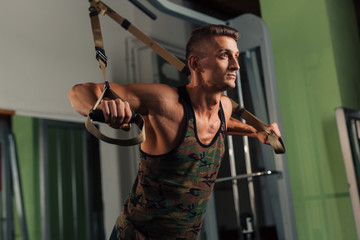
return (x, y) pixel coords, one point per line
(204, 102)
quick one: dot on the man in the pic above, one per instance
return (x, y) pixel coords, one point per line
(185, 133)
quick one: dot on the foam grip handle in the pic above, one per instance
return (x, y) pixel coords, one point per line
(98, 116)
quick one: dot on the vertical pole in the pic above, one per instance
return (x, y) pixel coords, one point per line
(87, 191)
(7, 204)
(59, 185)
(44, 182)
(246, 151)
(14, 166)
(233, 165)
(73, 183)
(252, 70)
(234, 184)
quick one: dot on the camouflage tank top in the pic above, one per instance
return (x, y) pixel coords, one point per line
(169, 197)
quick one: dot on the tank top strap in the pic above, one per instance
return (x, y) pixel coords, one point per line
(186, 102)
(222, 118)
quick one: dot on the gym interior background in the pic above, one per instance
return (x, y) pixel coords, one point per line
(74, 186)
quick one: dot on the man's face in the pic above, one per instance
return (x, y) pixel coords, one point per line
(219, 64)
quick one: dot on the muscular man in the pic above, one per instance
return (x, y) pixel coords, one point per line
(185, 133)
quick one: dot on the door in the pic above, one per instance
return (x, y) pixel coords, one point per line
(70, 182)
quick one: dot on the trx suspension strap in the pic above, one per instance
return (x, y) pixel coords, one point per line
(158, 49)
(276, 143)
(95, 114)
(101, 7)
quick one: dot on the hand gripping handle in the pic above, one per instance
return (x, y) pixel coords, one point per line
(97, 115)
(276, 143)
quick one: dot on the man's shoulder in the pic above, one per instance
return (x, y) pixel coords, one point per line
(169, 93)
(160, 98)
(151, 91)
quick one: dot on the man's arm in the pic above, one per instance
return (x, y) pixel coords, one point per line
(142, 98)
(237, 127)
(84, 96)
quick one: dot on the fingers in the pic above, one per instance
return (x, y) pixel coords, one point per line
(117, 113)
(275, 128)
(104, 107)
(263, 136)
(127, 112)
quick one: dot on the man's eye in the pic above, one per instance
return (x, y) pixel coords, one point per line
(224, 55)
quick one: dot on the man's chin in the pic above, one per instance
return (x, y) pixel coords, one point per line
(230, 86)
(225, 86)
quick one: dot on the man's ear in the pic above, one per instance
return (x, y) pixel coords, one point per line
(193, 63)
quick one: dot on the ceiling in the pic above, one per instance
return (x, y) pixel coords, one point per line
(225, 9)
(228, 9)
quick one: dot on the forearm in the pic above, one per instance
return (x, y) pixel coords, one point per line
(236, 127)
(83, 97)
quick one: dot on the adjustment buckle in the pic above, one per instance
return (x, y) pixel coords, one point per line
(100, 55)
(93, 11)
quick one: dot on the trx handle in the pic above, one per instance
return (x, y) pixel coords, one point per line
(276, 143)
(122, 142)
(97, 115)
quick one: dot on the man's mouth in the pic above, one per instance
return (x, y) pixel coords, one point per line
(232, 75)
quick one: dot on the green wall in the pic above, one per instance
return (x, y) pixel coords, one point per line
(26, 134)
(66, 178)
(346, 45)
(316, 52)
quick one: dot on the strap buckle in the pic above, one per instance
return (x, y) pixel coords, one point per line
(93, 11)
(106, 85)
(100, 55)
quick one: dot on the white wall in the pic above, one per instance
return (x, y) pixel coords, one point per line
(47, 47)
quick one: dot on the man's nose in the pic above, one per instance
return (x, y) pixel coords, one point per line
(234, 64)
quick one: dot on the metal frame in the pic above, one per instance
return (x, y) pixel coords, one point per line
(254, 34)
(343, 119)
